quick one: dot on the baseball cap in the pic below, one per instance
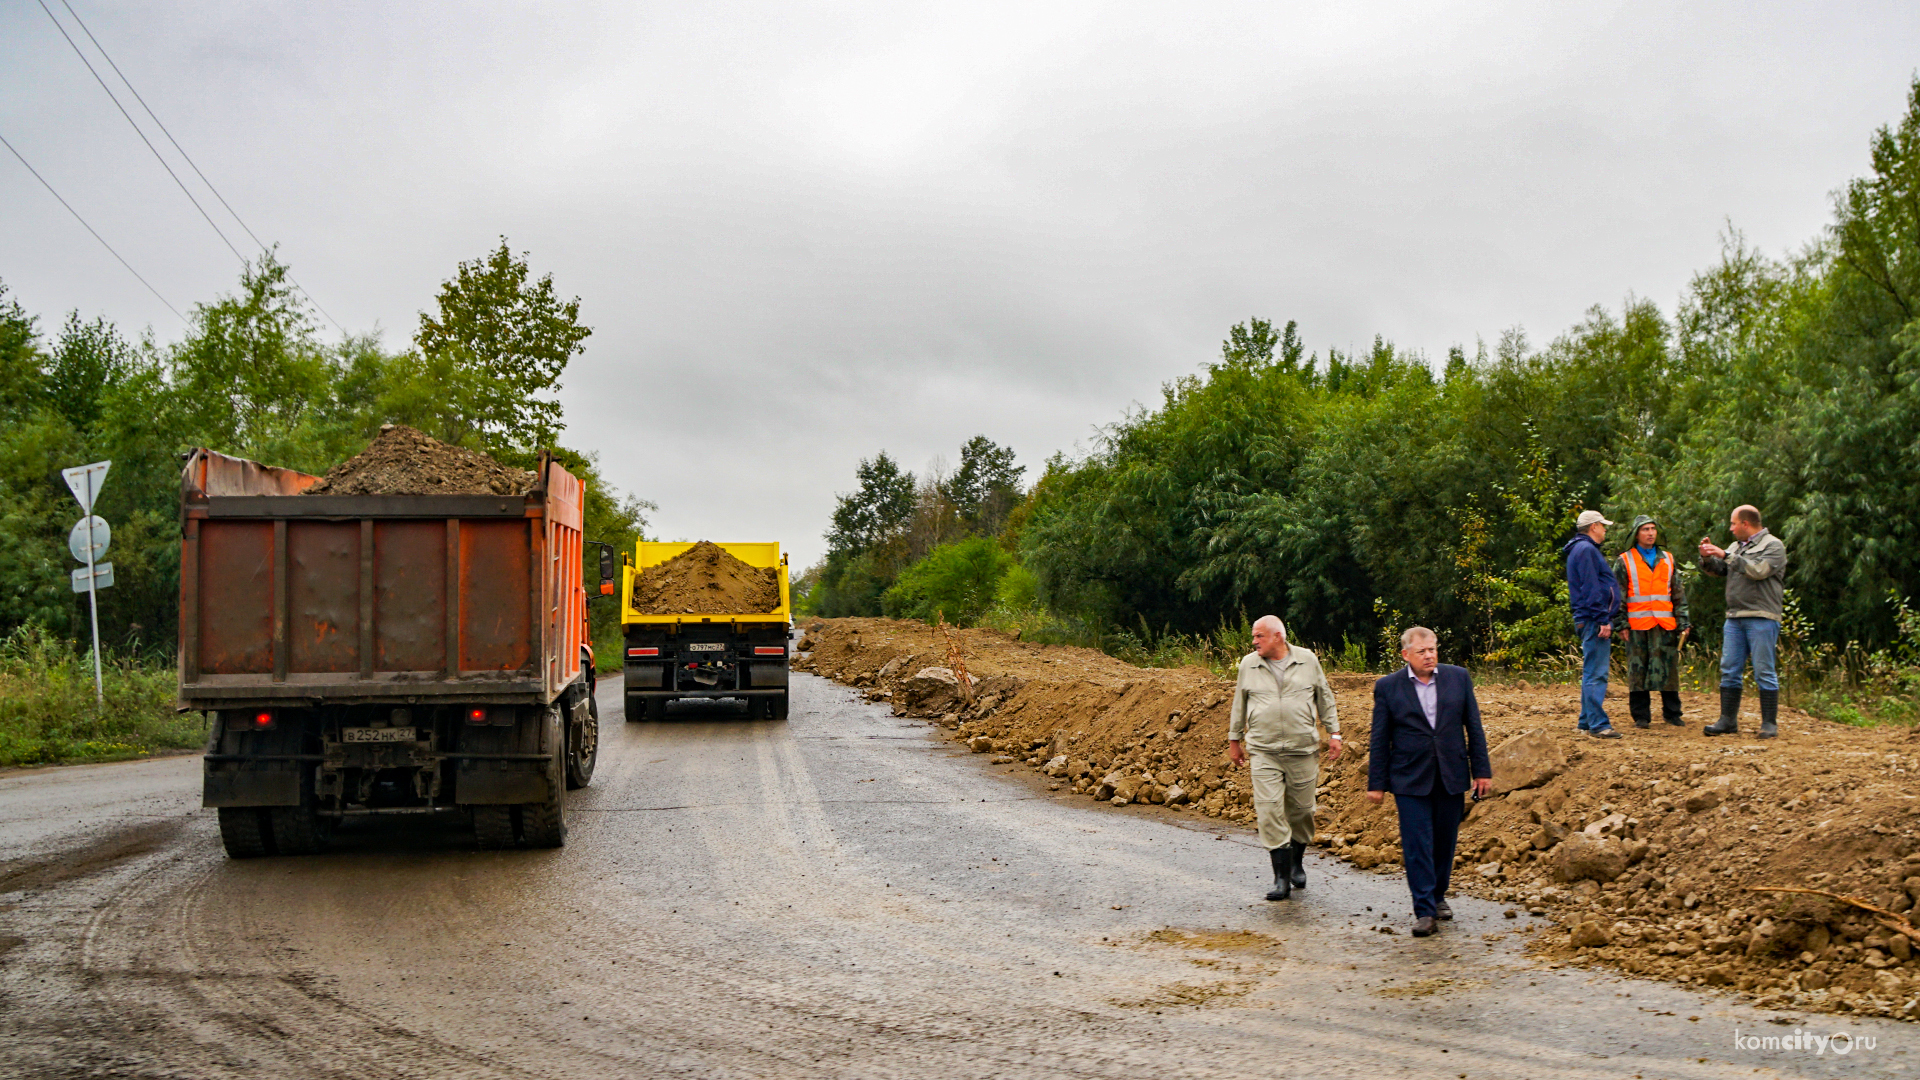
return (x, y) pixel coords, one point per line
(1588, 518)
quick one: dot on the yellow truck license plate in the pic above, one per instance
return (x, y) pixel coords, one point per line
(377, 734)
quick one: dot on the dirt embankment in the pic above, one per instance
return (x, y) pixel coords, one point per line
(706, 579)
(405, 461)
(1644, 850)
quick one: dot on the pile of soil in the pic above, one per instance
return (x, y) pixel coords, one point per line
(706, 579)
(405, 461)
(1645, 851)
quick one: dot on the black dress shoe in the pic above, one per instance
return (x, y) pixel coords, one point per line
(1444, 911)
(1424, 925)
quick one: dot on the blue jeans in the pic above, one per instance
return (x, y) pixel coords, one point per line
(1749, 639)
(1429, 828)
(1596, 654)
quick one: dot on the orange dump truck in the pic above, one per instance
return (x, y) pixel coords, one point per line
(371, 655)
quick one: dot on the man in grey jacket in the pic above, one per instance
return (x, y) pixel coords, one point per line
(1278, 694)
(1755, 568)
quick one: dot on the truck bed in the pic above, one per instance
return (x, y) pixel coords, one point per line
(652, 553)
(289, 598)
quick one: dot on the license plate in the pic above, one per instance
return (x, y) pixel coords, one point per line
(707, 646)
(377, 734)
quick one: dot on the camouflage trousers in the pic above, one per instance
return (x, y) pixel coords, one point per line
(1653, 659)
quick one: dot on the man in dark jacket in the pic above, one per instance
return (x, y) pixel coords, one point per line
(1595, 598)
(1428, 748)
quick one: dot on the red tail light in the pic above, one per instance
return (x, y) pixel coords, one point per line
(476, 716)
(769, 650)
(643, 652)
(263, 720)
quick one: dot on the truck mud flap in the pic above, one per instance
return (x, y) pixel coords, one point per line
(251, 784)
(765, 674)
(646, 676)
(488, 783)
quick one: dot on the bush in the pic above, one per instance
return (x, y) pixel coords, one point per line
(48, 714)
(957, 580)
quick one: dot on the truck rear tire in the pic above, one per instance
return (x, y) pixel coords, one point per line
(640, 710)
(493, 826)
(544, 824)
(780, 706)
(244, 832)
(583, 749)
(300, 830)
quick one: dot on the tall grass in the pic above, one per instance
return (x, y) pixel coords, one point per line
(48, 714)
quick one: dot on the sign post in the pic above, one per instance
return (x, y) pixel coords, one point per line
(88, 542)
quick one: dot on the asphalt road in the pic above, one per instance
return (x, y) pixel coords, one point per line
(840, 894)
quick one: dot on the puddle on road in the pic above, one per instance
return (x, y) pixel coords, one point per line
(1217, 940)
(1187, 995)
(1427, 987)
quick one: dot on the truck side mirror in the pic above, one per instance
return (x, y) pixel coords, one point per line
(607, 574)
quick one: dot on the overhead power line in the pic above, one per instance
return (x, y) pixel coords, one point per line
(91, 229)
(176, 145)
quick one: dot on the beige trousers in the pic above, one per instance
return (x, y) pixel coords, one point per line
(1283, 786)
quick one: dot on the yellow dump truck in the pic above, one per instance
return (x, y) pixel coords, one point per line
(706, 654)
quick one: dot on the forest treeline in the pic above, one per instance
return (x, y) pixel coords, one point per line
(252, 377)
(1353, 494)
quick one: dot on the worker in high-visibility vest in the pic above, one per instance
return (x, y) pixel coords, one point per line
(1651, 624)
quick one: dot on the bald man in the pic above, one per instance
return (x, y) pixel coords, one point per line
(1755, 568)
(1278, 696)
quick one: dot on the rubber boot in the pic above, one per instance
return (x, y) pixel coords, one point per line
(1282, 857)
(1670, 707)
(1299, 865)
(1640, 707)
(1729, 722)
(1769, 714)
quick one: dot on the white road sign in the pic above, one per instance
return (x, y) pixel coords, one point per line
(91, 532)
(85, 481)
(102, 577)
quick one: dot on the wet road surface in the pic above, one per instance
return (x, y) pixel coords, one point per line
(840, 894)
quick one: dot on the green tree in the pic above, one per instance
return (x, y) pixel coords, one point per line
(986, 486)
(957, 581)
(21, 380)
(89, 359)
(875, 513)
(490, 357)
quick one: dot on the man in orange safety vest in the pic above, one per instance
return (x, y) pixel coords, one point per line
(1651, 624)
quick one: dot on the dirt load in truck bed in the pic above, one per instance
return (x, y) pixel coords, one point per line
(706, 580)
(405, 461)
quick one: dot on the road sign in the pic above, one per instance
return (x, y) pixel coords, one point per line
(89, 539)
(97, 576)
(85, 480)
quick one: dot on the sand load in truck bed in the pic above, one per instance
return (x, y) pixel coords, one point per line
(405, 461)
(705, 579)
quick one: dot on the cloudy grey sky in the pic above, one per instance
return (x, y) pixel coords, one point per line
(803, 233)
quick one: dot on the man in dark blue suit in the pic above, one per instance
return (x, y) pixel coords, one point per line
(1427, 748)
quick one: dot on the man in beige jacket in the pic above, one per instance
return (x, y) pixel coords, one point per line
(1279, 694)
